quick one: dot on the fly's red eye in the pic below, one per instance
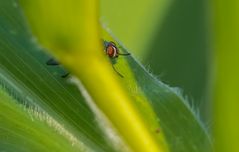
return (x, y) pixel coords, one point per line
(111, 50)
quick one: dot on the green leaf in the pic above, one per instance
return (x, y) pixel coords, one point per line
(23, 65)
(180, 124)
(29, 129)
(79, 52)
(146, 115)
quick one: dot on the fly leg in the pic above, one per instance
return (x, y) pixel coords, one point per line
(124, 54)
(65, 75)
(53, 62)
(117, 72)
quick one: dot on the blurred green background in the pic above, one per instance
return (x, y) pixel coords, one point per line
(190, 44)
(170, 37)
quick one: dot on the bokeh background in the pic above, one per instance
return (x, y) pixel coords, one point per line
(171, 38)
(191, 44)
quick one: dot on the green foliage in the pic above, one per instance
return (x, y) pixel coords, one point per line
(29, 129)
(23, 66)
(171, 38)
(226, 84)
(142, 113)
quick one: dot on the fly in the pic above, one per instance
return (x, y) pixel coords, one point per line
(111, 51)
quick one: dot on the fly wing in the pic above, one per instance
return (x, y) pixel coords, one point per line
(52, 62)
